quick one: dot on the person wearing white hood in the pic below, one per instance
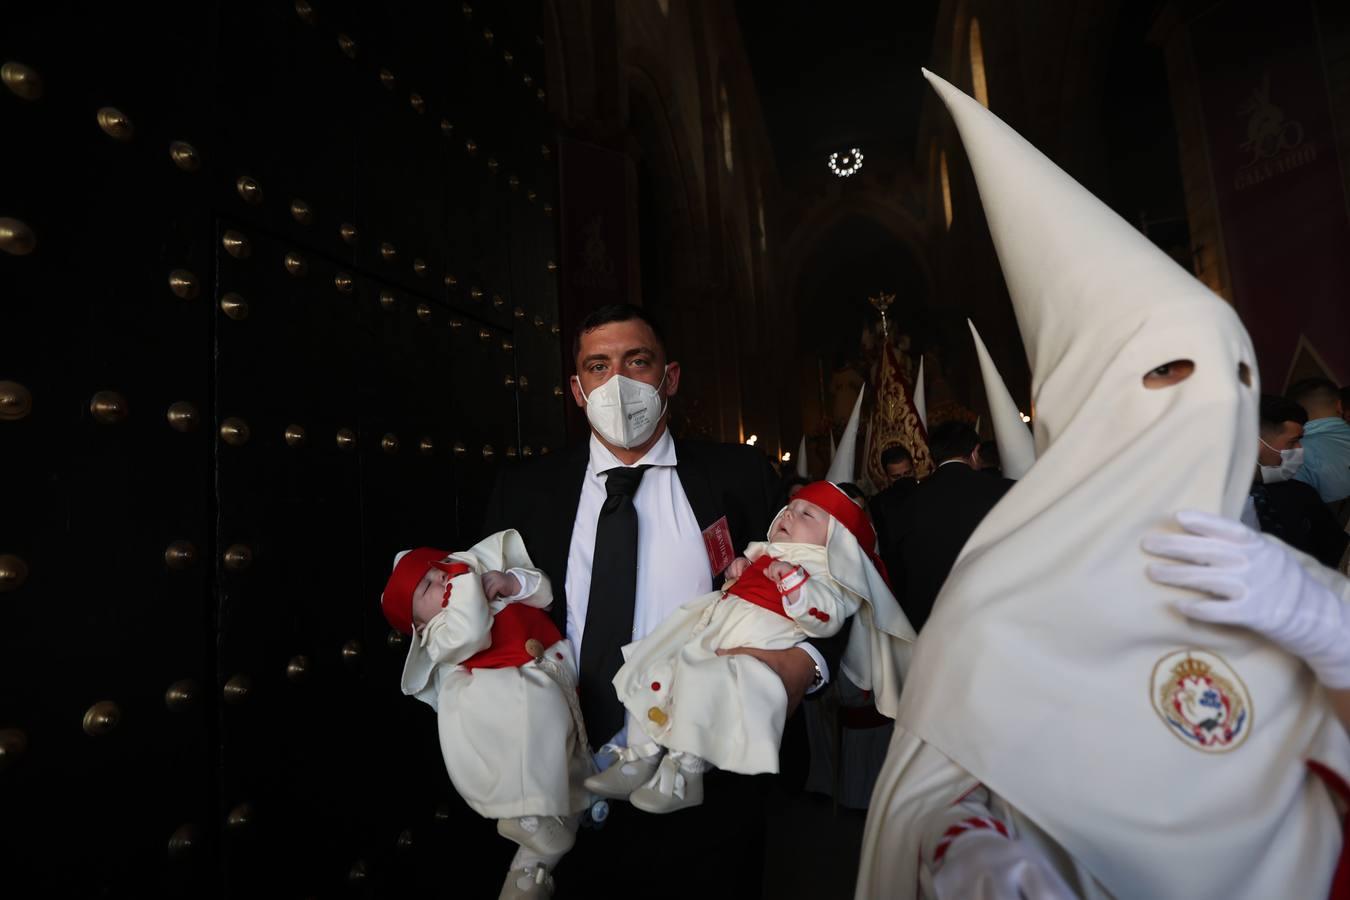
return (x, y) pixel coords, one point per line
(1072, 722)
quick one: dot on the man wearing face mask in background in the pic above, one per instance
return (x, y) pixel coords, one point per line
(632, 523)
(1326, 442)
(1285, 507)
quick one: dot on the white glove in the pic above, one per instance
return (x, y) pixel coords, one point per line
(1260, 585)
(986, 865)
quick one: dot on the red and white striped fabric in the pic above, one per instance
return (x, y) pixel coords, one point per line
(975, 823)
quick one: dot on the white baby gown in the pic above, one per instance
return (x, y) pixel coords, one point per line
(512, 737)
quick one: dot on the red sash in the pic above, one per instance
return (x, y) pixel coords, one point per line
(756, 587)
(511, 628)
(1340, 883)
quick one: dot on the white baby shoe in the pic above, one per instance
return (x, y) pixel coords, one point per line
(530, 883)
(677, 784)
(545, 835)
(628, 773)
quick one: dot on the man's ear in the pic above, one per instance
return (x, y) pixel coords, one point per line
(575, 384)
(672, 379)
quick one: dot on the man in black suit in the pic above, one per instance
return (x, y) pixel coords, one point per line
(898, 464)
(990, 463)
(1288, 509)
(619, 523)
(933, 525)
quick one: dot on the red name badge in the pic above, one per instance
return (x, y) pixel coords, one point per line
(717, 539)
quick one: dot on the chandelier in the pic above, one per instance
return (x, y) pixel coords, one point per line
(846, 164)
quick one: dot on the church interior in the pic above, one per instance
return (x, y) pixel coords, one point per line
(284, 284)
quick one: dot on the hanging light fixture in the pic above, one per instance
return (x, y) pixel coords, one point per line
(846, 164)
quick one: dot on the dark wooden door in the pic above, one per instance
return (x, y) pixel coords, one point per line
(276, 301)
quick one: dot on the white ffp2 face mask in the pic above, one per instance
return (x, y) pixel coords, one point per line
(1291, 460)
(624, 411)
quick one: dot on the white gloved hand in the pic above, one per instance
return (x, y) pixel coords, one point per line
(1259, 585)
(985, 865)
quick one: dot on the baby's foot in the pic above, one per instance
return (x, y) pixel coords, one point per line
(530, 883)
(627, 774)
(677, 784)
(545, 835)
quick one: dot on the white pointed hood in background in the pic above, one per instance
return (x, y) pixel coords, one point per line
(802, 469)
(1048, 663)
(841, 466)
(921, 398)
(1016, 447)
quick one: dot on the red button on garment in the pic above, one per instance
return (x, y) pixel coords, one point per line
(656, 685)
(445, 603)
(824, 617)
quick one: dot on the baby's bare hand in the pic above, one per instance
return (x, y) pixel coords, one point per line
(500, 584)
(778, 570)
(737, 567)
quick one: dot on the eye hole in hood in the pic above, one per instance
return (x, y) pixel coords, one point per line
(1168, 374)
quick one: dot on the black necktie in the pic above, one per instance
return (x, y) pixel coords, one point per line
(609, 613)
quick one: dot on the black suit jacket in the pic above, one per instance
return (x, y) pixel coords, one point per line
(1294, 513)
(928, 532)
(539, 499)
(885, 508)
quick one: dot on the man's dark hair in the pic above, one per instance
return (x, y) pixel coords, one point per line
(1275, 411)
(895, 453)
(989, 457)
(951, 440)
(1316, 391)
(851, 489)
(616, 312)
(796, 480)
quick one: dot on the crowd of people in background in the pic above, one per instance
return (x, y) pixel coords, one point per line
(1300, 492)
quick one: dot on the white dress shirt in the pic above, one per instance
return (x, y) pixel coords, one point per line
(672, 561)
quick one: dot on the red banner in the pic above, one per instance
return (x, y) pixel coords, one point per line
(1277, 179)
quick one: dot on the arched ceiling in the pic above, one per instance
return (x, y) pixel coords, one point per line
(830, 76)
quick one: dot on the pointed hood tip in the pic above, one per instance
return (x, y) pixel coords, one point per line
(841, 466)
(1074, 269)
(943, 87)
(1016, 446)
